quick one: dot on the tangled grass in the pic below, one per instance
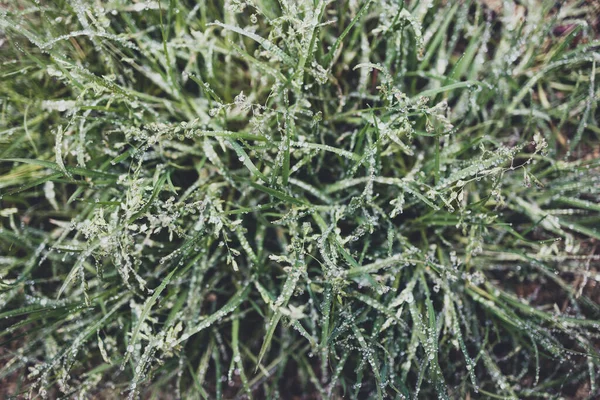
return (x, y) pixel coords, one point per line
(312, 198)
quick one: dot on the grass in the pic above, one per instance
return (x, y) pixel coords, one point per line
(268, 199)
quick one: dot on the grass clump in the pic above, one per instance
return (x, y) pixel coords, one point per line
(264, 199)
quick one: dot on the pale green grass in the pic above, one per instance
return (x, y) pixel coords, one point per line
(269, 198)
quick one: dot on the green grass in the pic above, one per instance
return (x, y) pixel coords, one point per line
(278, 198)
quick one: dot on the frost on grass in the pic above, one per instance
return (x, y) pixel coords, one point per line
(367, 199)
